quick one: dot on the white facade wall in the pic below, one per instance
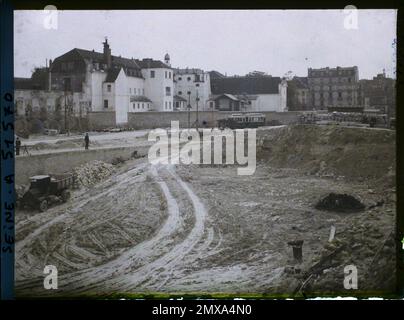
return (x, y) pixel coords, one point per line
(183, 85)
(94, 83)
(155, 88)
(271, 102)
(266, 102)
(121, 98)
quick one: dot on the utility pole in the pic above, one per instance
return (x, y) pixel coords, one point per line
(212, 107)
(65, 112)
(189, 109)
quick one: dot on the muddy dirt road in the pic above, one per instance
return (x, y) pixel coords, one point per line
(177, 228)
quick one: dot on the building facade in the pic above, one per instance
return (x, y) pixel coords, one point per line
(87, 81)
(334, 87)
(378, 94)
(298, 94)
(193, 85)
(254, 93)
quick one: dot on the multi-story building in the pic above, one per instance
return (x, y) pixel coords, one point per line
(378, 94)
(94, 81)
(193, 85)
(334, 87)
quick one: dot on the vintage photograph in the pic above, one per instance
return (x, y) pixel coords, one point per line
(239, 153)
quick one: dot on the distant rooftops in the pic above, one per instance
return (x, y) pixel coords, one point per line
(332, 71)
(245, 85)
(149, 63)
(116, 61)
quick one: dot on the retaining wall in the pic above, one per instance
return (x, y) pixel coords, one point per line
(65, 161)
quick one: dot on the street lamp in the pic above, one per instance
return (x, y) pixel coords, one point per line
(189, 109)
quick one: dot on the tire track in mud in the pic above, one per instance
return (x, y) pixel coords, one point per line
(121, 180)
(157, 257)
(150, 275)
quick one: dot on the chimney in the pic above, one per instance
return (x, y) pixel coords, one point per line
(107, 53)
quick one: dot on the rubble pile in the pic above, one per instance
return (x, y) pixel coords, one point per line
(92, 172)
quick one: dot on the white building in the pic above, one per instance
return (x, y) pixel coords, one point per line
(112, 83)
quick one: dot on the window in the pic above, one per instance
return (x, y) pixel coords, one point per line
(165, 74)
(168, 91)
(180, 92)
(130, 90)
(142, 105)
(105, 104)
(197, 85)
(169, 75)
(133, 106)
(169, 105)
(109, 88)
(143, 91)
(152, 74)
(179, 78)
(189, 78)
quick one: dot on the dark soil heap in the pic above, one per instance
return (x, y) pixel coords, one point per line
(340, 203)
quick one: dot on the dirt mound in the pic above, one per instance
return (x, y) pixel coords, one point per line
(340, 203)
(329, 150)
(92, 173)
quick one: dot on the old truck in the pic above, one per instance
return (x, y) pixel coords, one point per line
(46, 190)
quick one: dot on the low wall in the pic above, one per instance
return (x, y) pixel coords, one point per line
(65, 161)
(101, 120)
(150, 120)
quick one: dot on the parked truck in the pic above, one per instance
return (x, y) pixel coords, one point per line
(46, 190)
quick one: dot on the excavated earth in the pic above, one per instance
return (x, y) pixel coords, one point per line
(204, 229)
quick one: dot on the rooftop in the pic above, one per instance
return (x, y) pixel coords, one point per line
(245, 85)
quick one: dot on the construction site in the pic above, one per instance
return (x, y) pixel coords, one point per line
(322, 198)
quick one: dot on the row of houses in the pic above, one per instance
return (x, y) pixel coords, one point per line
(82, 81)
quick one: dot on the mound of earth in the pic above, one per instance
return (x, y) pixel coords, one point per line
(340, 203)
(330, 150)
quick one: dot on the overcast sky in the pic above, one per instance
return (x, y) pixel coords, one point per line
(232, 42)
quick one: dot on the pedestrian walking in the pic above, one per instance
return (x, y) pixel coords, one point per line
(86, 141)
